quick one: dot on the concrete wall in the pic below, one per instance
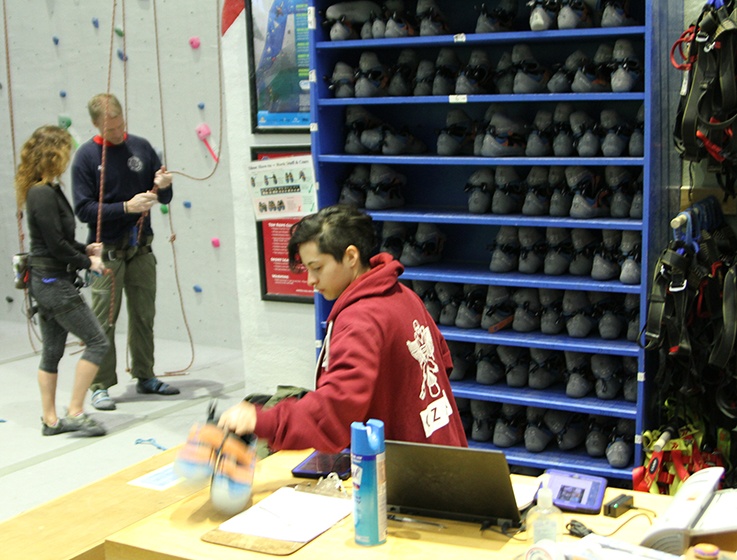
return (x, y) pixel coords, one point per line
(61, 53)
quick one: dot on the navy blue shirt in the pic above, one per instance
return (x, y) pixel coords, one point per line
(130, 169)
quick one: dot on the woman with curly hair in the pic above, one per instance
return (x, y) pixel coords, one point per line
(55, 258)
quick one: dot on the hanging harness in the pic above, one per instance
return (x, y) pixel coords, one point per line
(706, 120)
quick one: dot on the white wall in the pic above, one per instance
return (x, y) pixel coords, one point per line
(228, 312)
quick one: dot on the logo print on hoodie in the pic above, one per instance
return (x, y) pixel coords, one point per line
(422, 349)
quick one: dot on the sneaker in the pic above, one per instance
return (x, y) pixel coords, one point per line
(562, 195)
(539, 192)
(579, 313)
(489, 368)
(546, 367)
(579, 379)
(561, 80)
(504, 73)
(505, 251)
(585, 242)
(551, 313)
(385, 188)
(232, 477)
(476, 77)
(61, 427)
(616, 14)
(424, 78)
(498, 310)
(630, 251)
(471, 308)
(509, 192)
(637, 140)
(528, 311)
(432, 21)
(457, 136)
(510, 426)
(372, 77)
(343, 80)
(196, 460)
(153, 386)
(544, 14)
(607, 256)
(484, 414)
(393, 237)
(84, 425)
(500, 18)
(532, 249)
(403, 74)
(559, 251)
(480, 189)
(563, 139)
(505, 137)
(398, 25)
(574, 14)
(595, 76)
(537, 434)
(616, 134)
(531, 76)
(101, 400)
(584, 130)
(600, 430)
(628, 71)
(620, 183)
(516, 362)
(353, 191)
(540, 139)
(447, 67)
(426, 291)
(426, 246)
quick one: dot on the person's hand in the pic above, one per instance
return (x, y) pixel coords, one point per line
(141, 203)
(240, 419)
(96, 264)
(94, 250)
(162, 179)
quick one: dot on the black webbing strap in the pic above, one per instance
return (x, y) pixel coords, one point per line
(670, 278)
(724, 345)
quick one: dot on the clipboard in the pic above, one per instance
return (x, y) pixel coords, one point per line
(284, 521)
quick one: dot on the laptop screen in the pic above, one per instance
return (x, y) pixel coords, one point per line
(450, 483)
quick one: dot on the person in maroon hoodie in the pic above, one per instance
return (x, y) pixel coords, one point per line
(382, 357)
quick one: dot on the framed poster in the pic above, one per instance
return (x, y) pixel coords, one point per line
(278, 282)
(278, 57)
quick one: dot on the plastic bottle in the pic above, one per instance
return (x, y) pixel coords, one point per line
(545, 521)
(368, 470)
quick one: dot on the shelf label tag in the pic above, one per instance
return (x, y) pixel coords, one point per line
(640, 376)
(311, 26)
(459, 38)
(313, 76)
(313, 127)
(638, 439)
(457, 99)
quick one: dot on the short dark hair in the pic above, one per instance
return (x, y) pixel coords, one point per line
(333, 229)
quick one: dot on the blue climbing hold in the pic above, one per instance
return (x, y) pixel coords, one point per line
(201, 105)
(187, 204)
(96, 22)
(56, 40)
(122, 56)
(198, 288)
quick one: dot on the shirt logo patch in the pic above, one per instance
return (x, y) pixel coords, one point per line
(422, 349)
(436, 415)
(135, 164)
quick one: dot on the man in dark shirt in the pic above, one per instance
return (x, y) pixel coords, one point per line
(134, 180)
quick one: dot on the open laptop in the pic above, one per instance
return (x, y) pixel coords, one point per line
(450, 483)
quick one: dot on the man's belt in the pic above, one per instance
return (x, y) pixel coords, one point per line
(122, 254)
(50, 263)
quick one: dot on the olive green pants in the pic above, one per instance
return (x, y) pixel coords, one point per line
(133, 273)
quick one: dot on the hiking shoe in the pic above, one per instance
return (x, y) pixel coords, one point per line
(504, 137)
(616, 133)
(616, 14)
(153, 386)
(504, 73)
(432, 21)
(561, 80)
(343, 81)
(484, 415)
(498, 310)
(489, 368)
(505, 251)
(464, 360)
(594, 76)
(574, 14)
(532, 249)
(509, 429)
(403, 74)
(101, 400)
(447, 66)
(476, 77)
(628, 71)
(559, 251)
(196, 460)
(516, 364)
(551, 314)
(606, 257)
(540, 139)
(501, 18)
(637, 140)
(480, 189)
(232, 477)
(472, 307)
(544, 14)
(61, 427)
(508, 195)
(528, 311)
(457, 136)
(531, 76)
(426, 246)
(539, 191)
(84, 425)
(424, 78)
(630, 252)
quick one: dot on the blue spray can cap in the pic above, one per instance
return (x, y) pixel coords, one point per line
(367, 439)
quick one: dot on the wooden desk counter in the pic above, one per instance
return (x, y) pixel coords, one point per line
(174, 533)
(74, 526)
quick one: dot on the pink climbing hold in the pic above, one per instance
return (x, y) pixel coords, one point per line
(194, 42)
(215, 242)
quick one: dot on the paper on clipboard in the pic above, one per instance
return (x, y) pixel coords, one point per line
(289, 515)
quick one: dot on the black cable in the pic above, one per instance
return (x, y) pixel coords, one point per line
(578, 529)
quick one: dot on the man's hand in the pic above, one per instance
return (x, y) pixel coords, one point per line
(142, 202)
(240, 419)
(162, 179)
(94, 250)
(96, 264)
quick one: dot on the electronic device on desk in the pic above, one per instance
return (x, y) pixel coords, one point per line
(576, 492)
(697, 510)
(319, 465)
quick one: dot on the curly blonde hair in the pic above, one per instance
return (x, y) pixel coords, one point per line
(43, 158)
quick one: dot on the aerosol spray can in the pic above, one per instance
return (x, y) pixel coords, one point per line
(368, 470)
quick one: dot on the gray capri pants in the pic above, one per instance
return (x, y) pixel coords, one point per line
(63, 310)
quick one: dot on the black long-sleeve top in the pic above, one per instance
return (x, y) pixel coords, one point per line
(51, 226)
